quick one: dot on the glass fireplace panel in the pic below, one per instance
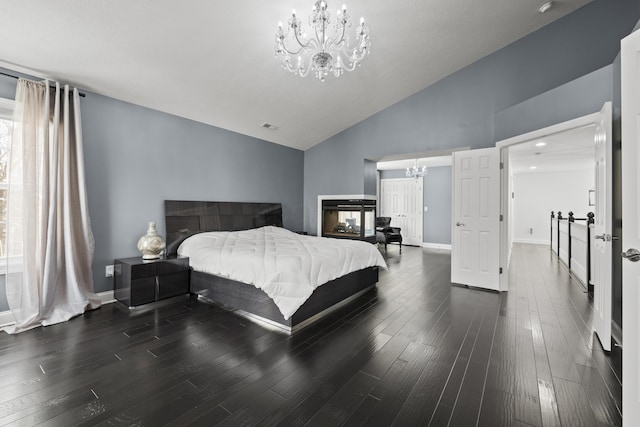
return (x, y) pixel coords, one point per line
(349, 219)
(370, 222)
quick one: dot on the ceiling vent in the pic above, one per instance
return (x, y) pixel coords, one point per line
(269, 126)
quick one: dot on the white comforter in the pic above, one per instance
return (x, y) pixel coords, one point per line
(285, 265)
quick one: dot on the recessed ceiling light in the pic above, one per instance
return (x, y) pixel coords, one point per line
(269, 126)
(541, 144)
(533, 167)
(545, 7)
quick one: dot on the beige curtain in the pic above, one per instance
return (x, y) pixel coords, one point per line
(49, 239)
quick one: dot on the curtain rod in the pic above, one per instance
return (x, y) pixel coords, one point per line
(16, 77)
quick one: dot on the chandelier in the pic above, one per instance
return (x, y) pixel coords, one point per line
(325, 51)
(416, 171)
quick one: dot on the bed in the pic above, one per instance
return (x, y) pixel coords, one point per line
(189, 218)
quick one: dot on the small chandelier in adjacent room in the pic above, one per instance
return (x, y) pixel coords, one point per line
(323, 52)
(416, 171)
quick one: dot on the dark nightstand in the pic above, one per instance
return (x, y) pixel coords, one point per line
(138, 281)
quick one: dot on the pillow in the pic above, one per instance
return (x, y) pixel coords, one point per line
(172, 248)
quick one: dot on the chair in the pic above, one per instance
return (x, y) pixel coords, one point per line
(387, 234)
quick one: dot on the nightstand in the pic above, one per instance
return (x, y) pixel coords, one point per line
(138, 281)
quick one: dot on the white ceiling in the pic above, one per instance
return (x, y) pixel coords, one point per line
(564, 151)
(213, 61)
(570, 150)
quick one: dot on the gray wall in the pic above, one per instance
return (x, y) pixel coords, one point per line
(370, 178)
(460, 110)
(436, 222)
(580, 97)
(137, 157)
(437, 198)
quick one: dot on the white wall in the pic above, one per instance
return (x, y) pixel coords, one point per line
(536, 194)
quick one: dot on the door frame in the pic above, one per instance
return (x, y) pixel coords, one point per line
(505, 250)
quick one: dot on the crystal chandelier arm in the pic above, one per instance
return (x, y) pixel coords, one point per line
(344, 21)
(290, 52)
(320, 42)
(339, 42)
(363, 43)
(281, 48)
(320, 23)
(349, 59)
(301, 67)
(303, 46)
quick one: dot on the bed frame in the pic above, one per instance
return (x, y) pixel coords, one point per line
(185, 218)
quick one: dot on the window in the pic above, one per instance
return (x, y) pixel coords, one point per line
(6, 124)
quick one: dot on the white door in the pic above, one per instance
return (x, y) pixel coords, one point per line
(631, 229)
(475, 251)
(602, 229)
(401, 199)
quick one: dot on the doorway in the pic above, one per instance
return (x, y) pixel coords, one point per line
(595, 129)
(401, 200)
(433, 212)
(554, 173)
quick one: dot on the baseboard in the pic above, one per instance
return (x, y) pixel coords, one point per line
(106, 297)
(7, 319)
(436, 246)
(533, 242)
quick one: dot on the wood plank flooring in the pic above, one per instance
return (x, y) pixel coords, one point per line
(416, 351)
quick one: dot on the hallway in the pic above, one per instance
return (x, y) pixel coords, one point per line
(544, 349)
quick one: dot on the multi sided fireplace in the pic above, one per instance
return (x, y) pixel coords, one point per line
(349, 219)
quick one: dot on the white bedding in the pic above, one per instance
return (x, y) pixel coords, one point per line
(287, 266)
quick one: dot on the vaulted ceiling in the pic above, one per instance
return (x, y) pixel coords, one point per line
(213, 61)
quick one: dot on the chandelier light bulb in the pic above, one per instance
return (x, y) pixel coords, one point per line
(326, 49)
(416, 171)
(293, 12)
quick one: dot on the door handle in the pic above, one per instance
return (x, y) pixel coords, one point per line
(632, 255)
(606, 237)
(459, 224)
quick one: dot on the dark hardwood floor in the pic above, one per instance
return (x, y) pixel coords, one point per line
(417, 351)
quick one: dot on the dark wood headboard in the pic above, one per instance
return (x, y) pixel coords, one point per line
(185, 217)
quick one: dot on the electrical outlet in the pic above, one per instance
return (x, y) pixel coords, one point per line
(108, 271)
